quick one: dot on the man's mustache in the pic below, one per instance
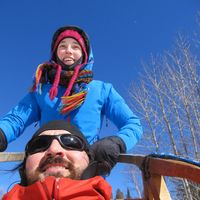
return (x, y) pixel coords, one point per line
(54, 160)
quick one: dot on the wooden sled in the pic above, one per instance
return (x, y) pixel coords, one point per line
(153, 167)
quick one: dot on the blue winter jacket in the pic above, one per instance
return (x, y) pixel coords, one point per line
(101, 100)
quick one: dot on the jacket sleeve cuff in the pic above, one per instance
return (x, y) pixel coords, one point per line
(3, 141)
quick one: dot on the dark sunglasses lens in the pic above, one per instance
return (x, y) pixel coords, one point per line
(39, 144)
(72, 142)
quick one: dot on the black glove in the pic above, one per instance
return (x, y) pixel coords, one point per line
(105, 153)
(3, 141)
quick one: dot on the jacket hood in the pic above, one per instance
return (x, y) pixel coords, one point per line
(90, 59)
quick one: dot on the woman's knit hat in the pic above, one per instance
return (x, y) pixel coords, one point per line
(70, 31)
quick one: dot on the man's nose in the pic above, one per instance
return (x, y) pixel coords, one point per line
(55, 148)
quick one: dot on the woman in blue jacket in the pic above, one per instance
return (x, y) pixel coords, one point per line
(64, 89)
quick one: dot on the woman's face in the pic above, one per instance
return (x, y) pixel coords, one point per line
(69, 51)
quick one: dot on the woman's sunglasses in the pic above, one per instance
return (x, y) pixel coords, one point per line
(43, 142)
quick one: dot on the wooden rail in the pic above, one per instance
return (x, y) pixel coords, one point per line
(11, 156)
(155, 168)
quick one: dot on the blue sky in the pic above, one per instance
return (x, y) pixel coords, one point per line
(122, 34)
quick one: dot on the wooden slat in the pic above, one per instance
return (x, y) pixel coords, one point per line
(154, 186)
(174, 168)
(131, 159)
(165, 167)
(11, 156)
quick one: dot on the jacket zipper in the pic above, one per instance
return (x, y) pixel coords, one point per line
(56, 189)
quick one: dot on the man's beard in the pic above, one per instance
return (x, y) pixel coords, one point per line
(66, 171)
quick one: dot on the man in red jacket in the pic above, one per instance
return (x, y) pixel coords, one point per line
(58, 165)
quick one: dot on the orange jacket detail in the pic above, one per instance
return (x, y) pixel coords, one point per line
(62, 189)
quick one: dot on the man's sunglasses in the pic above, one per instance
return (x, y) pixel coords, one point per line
(43, 142)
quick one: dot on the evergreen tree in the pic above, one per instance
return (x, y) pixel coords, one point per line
(128, 195)
(119, 194)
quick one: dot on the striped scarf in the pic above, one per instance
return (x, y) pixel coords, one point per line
(75, 82)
